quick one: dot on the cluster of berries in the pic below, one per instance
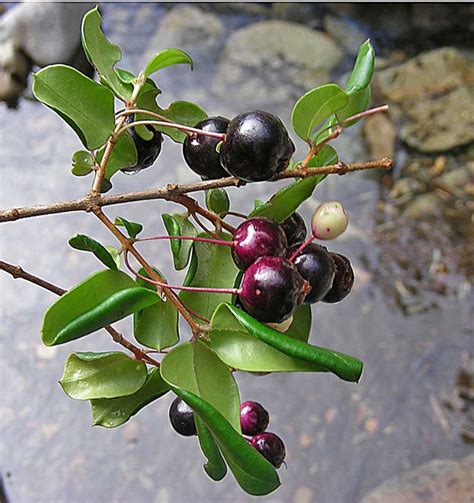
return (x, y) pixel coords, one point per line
(254, 421)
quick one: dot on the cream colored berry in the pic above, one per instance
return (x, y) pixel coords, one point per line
(329, 221)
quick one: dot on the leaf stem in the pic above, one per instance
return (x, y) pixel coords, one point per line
(221, 242)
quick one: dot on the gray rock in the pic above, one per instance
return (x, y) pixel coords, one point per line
(273, 61)
(346, 33)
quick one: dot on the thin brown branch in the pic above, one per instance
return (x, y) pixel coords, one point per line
(18, 273)
(172, 190)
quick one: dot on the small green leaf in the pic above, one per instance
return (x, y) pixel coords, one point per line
(85, 105)
(301, 327)
(124, 155)
(217, 201)
(179, 225)
(115, 254)
(132, 228)
(82, 163)
(358, 102)
(215, 466)
(86, 243)
(315, 106)
(363, 69)
(125, 76)
(165, 58)
(99, 300)
(102, 375)
(113, 412)
(102, 54)
(253, 472)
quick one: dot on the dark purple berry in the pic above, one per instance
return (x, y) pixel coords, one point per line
(182, 418)
(200, 151)
(271, 447)
(257, 237)
(257, 146)
(147, 150)
(253, 418)
(295, 229)
(272, 288)
(315, 264)
(343, 279)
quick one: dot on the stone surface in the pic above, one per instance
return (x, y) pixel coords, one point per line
(380, 135)
(347, 33)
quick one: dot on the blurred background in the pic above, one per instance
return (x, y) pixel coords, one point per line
(405, 433)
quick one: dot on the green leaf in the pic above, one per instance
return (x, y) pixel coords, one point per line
(237, 348)
(86, 243)
(99, 300)
(132, 228)
(301, 327)
(112, 412)
(115, 255)
(344, 366)
(253, 472)
(287, 200)
(179, 225)
(363, 69)
(194, 367)
(125, 76)
(82, 163)
(358, 102)
(102, 375)
(215, 466)
(124, 155)
(165, 58)
(102, 54)
(85, 105)
(215, 269)
(315, 106)
(217, 201)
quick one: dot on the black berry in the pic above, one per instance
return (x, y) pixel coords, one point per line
(270, 446)
(257, 237)
(200, 151)
(295, 229)
(257, 146)
(343, 279)
(315, 264)
(182, 418)
(272, 288)
(253, 418)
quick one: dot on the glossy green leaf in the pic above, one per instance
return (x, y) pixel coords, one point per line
(85, 105)
(215, 269)
(301, 326)
(253, 472)
(124, 155)
(132, 228)
(179, 225)
(315, 106)
(287, 200)
(125, 76)
(99, 300)
(215, 466)
(113, 412)
(344, 366)
(358, 102)
(217, 201)
(237, 348)
(102, 54)
(194, 367)
(82, 163)
(165, 58)
(363, 69)
(86, 243)
(102, 375)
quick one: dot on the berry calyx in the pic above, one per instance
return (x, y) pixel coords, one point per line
(295, 229)
(271, 289)
(182, 418)
(270, 446)
(200, 151)
(316, 266)
(257, 146)
(257, 237)
(147, 150)
(343, 279)
(329, 221)
(253, 418)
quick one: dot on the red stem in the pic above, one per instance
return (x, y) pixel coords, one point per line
(186, 129)
(301, 247)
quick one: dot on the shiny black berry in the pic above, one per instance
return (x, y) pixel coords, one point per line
(257, 237)
(295, 229)
(200, 151)
(272, 288)
(182, 418)
(147, 150)
(343, 279)
(270, 446)
(315, 264)
(257, 146)
(253, 418)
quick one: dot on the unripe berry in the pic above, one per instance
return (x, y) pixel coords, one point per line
(253, 418)
(329, 220)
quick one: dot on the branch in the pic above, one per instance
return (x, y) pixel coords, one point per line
(17, 272)
(171, 191)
